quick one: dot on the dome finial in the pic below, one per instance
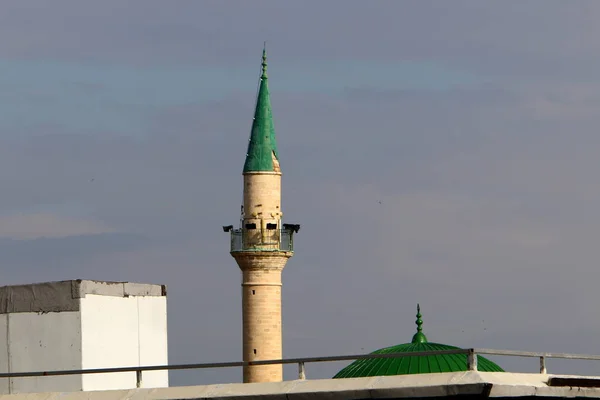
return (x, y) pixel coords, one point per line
(264, 61)
(419, 337)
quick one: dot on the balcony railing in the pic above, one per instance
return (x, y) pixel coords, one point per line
(262, 240)
(470, 354)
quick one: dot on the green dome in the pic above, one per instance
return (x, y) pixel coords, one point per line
(414, 364)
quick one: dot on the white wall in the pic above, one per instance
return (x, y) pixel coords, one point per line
(83, 325)
(4, 384)
(152, 313)
(123, 332)
(40, 342)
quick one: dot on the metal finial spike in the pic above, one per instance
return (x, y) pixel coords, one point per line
(264, 61)
(419, 337)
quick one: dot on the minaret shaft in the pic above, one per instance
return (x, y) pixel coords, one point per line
(261, 276)
(261, 313)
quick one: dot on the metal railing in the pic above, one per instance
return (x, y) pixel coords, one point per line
(262, 240)
(470, 353)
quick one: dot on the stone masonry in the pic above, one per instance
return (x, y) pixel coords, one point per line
(261, 279)
(261, 313)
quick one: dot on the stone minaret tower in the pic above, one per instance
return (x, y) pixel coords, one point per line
(262, 245)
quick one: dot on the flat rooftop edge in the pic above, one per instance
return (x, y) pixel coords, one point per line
(63, 296)
(468, 384)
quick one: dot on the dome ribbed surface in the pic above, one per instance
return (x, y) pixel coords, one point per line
(406, 365)
(414, 364)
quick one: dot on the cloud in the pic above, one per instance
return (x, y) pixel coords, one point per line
(466, 33)
(37, 225)
(72, 257)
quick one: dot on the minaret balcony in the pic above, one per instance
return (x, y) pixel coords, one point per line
(262, 240)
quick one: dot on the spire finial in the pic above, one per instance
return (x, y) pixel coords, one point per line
(419, 337)
(264, 62)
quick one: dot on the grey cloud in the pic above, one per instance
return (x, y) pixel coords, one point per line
(50, 259)
(503, 40)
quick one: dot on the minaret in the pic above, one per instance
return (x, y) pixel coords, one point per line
(262, 245)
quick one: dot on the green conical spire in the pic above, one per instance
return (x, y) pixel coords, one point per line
(262, 149)
(419, 337)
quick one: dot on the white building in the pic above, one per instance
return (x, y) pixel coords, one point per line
(82, 324)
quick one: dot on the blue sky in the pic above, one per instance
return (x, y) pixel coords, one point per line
(124, 125)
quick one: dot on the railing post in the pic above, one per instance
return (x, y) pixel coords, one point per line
(301, 371)
(138, 378)
(543, 365)
(472, 360)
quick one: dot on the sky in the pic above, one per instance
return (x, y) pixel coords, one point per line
(440, 153)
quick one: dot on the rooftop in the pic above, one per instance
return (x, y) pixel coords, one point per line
(452, 385)
(64, 295)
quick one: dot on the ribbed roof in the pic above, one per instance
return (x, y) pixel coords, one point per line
(262, 149)
(414, 364)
